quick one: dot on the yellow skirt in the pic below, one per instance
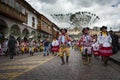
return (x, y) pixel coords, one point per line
(64, 51)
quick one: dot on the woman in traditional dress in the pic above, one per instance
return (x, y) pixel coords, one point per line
(55, 46)
(86, 42)
(105, 40)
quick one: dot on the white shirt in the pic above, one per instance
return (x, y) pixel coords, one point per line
(55, 43)
(95, 46)
(105, 40)
(63, 39)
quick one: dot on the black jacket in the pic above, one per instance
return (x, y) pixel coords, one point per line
(12, 43)
(115, 43)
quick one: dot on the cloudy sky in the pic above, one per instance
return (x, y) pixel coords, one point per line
(107, 10)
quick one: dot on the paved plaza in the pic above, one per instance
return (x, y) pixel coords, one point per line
(37, 67)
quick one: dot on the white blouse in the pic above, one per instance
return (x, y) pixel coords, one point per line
(55, 43)
(105, 40)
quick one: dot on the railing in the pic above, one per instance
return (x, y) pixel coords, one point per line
(11, 12)
(43, 28)
(55, 34)
(46, 29)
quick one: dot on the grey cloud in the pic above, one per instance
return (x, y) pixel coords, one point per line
(88, 3)
(48, 1)
(103, 8)
(83, 3)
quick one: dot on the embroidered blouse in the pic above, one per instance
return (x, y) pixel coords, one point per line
(86, 40)
(105, 40)
(63, 39)
(55, 43)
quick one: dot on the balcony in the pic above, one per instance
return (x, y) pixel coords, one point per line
(12, 13)
(55, 33)
(45, 29)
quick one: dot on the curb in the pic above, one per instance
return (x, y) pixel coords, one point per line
(115, 61)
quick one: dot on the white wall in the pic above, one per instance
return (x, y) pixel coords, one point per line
(29, 23)
(10, 22)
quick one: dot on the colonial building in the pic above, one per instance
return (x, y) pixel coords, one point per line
(45, 27)
(12, 14)
(95, 30)
(117, 33)
(55, 31)
(75, 33)
(18, 18)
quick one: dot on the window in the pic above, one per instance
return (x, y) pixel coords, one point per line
(11, 3)
(23, 10)
(33, 21)
(44, 24)
(18, 7)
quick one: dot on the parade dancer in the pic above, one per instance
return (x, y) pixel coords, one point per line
(86, 42)
(95, 47)
(64, 46)
(105, 41)
(55, 46)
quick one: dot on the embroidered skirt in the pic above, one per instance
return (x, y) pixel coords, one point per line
(96, 52)
(87, 51)
(55, 48)
(105, 51)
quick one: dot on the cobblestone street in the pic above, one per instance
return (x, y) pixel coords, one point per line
(38, 67)
(59, 39)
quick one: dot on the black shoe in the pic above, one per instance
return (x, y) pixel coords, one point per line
(67, 59)
(62, 59)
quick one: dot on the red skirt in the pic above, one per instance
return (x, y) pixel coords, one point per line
(105, 51)
(96, 53)
(55, 48)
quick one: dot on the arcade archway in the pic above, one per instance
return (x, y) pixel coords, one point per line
(15, 30)
(25, 32)
(3, 27)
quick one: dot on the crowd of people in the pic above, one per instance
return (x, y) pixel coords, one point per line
(18, 46)
(105, 44)
(102, 46)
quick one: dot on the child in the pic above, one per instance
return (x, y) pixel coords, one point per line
(95, 47)
(55, 46)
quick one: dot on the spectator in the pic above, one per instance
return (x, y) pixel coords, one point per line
(46, 47)
(11, 46)
(115, 43)
(105, 41)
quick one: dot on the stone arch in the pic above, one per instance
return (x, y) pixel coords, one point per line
(3, 27)
(38, 35)
(32, 34)
(25, 32)
(15, 30)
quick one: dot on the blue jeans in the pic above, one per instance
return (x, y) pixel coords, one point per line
(46, 50)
